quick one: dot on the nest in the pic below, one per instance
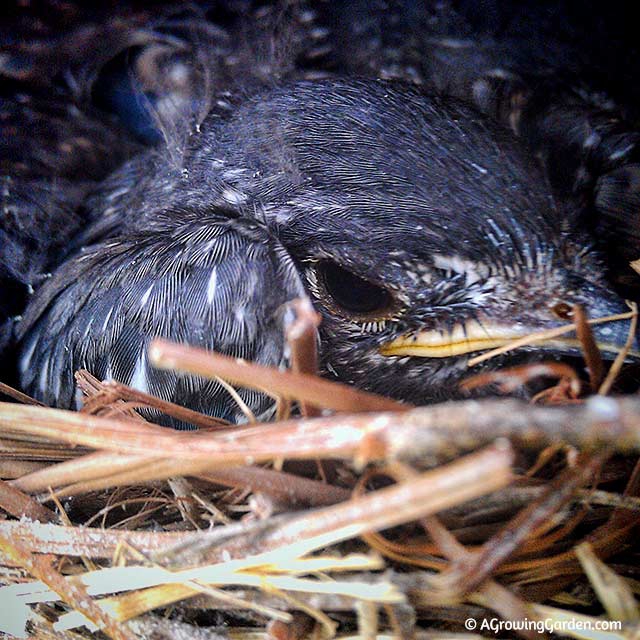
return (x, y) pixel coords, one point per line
(360, 517)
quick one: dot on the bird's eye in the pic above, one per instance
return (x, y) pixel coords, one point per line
(352, 293)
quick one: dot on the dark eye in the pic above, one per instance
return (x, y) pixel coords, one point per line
(351, 292)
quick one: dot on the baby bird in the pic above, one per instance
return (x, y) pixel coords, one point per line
(260, 165)
(419, 230)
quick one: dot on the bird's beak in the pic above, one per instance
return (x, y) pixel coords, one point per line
(462, 339)
(475, 337)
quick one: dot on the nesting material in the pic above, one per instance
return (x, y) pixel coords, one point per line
(362, 517)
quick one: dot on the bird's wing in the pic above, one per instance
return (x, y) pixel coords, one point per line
(221, 285)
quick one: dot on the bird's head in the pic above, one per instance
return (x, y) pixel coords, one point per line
(406, 324)
(405, 307)
(425, 234)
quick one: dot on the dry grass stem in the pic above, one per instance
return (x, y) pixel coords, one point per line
(67, 590)
(614, 370)
(540, 336)
(615, 593)
(101, 395)
(511, 378)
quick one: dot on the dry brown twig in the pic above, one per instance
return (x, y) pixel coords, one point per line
(590, 350)
(296, 386)
(18, 395)
(466, 576)
(302, 339)
(429, 434)
(19, 505)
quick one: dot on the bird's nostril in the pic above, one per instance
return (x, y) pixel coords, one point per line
(563, 310)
